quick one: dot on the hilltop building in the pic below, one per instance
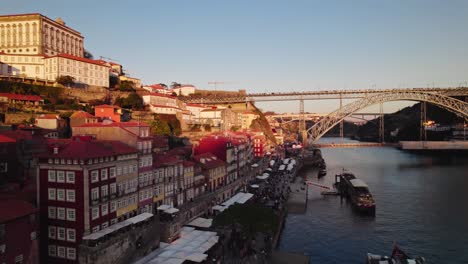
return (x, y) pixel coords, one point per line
(35, 34)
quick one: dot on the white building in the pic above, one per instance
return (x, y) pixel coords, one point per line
(22, 65)
(85, 71)
(38, 34)
(184, 90)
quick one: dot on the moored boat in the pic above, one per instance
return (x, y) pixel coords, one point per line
(398, 257)
(357, 192)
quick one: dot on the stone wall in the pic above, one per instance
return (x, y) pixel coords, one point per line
(17, 118)
(125, 246)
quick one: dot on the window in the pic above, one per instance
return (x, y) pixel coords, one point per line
(71, 234)
(70, 195)
(95, 229)
(60, 176)
(103, 174)
(104, 225)
(71, 175)
(51, 176)
(94, 213)
(60, 233)
(60, 194)
(19, 259)
(112, 172)
(61, 252)
(52, 250)
(71, 253)
(113, 221)
(71, 214)
(61, 213)
(119, 171)
(52, 232)
(52, 194)
(94, 176)
(113, 206)
(52, 212)
(113, 188)
(95, 193)
(104, 191)
(104, 209)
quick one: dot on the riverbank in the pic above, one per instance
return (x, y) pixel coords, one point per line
(416, 208)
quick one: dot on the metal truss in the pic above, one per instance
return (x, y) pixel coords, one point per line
(317, 95)
(323, 126)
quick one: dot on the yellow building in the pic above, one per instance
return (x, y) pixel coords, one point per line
(37, 34)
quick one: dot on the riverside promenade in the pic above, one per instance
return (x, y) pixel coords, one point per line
(275, 193)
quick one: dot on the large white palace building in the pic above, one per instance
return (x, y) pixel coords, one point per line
(35, 46)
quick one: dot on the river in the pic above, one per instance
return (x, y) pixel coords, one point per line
(422, 204)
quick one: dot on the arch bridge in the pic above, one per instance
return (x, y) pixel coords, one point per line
(328, 122)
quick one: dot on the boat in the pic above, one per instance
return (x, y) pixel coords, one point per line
(322, 173)
(357, 192)
(398, 256)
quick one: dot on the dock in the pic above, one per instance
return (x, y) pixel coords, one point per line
(297, 202)
(456, 145)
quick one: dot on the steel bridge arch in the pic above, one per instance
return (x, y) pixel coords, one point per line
(323, 126)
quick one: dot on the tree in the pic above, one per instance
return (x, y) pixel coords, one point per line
(252, 218)
(159, 127)
(135, 101)
(175, 85)
(65, 80)
(126, 86)
(113, 81)
(235, 128)
(88, 54)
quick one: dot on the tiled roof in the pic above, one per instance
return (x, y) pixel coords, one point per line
(21, 97)
(116, 124)
(81, 114)
(107, 106)
(5, 139)
(165, 106)
(196, 105)
(210, 161)
(85, 148)
(164, 160)
(13, 209)
(68, 56)
(160, 95)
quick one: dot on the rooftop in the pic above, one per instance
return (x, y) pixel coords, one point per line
(84, 147)
(21, 97)
(14, 209)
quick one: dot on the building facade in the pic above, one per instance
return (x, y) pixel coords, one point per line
(84, 186)
(35, 34)
(18, 232)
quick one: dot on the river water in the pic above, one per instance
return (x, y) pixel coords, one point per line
(422, 204)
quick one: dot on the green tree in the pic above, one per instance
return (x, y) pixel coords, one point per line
(252, 218)
(65, 80)
(175, 85)
(126, 86)
(88, 55)
(159, 127)
(135, 102)
(113, 81)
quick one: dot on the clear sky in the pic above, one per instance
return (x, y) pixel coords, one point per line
(272, 45)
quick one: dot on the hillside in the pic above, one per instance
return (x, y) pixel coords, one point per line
(407, 123)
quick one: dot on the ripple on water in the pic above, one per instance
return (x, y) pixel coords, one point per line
(421, 204)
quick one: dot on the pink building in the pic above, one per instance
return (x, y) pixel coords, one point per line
(18, 232)
(111, 112)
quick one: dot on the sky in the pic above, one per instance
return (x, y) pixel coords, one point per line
(274, 46)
